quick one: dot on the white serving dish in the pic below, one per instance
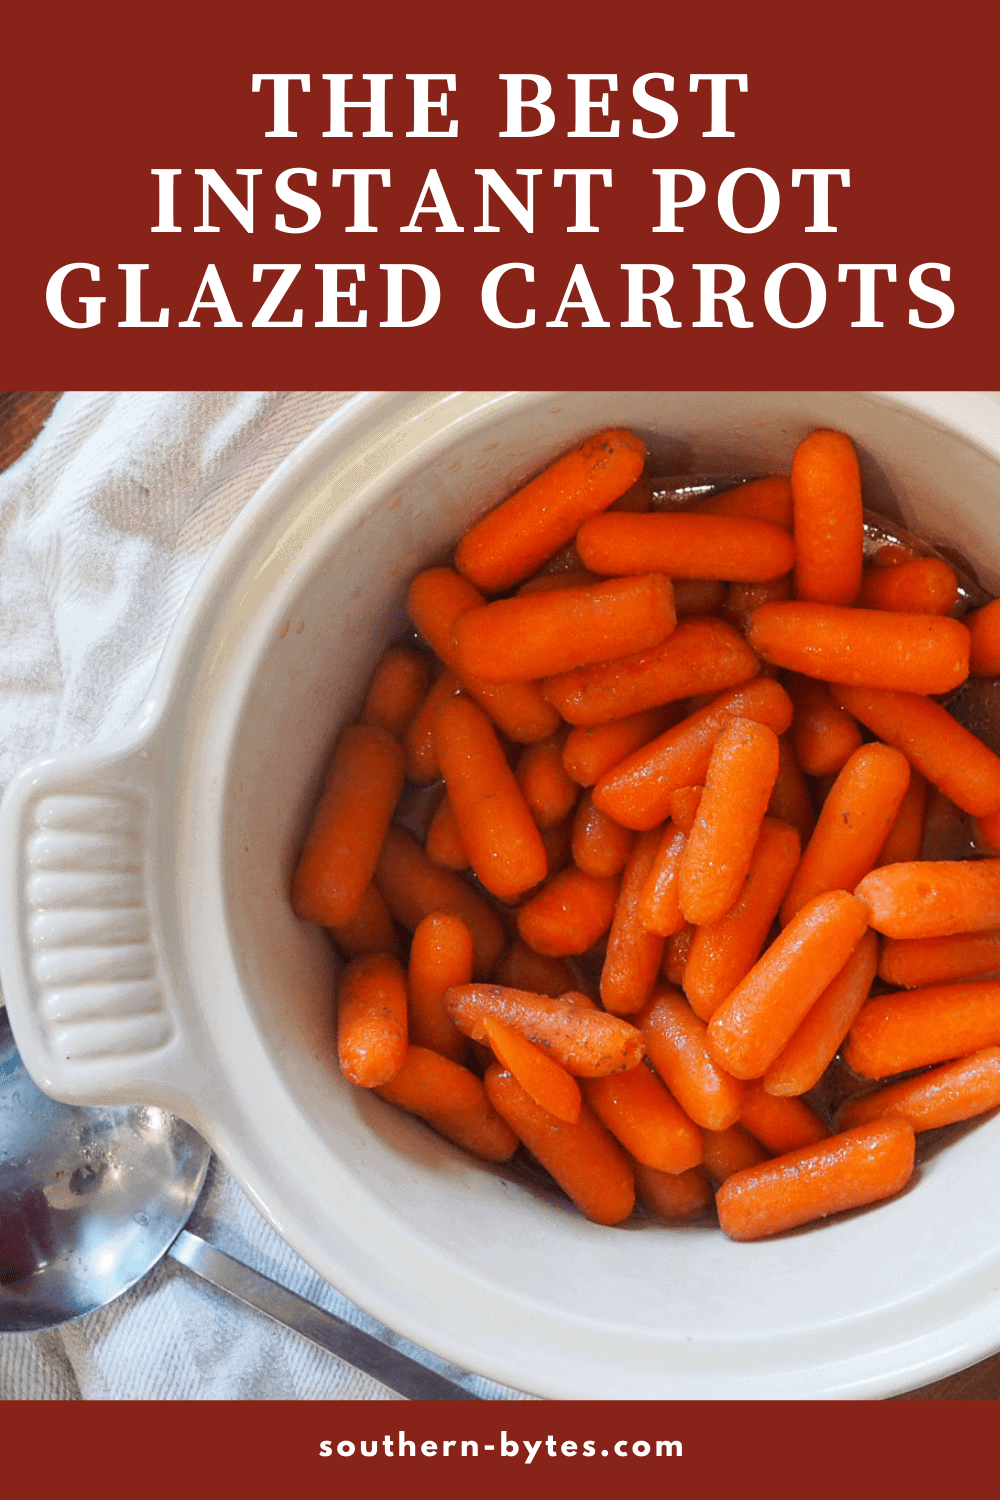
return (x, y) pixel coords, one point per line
(149, 952)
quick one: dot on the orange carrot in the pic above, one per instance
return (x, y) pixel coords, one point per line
(725, 951)
(370, 930)
(914, 962)
(677, 1196)
(371, 1019)
(544, 583)
(958, 1091)
(418, 740)
(936, 744)
(546, 785)
(675, 1045)
(549, 1085)
(349, 824)
(440, 958)
(732, 548)
(659, 900)
(845, 1171)
(790, 800)
(755, 1022)
(829, 524)
(804, 1059)
(780, 1124)
(741, 772)
(911, 1028)
(853, 825)
(932, 898)
(685, 802)
(632, 960)
(512, 541)
(906, 836)
(920, 586)
(641, 1114)
(444, 841)
(637, 791)
(729, 1151)
(493, 819)
(984, 629)
(521, 968)
(582, 1039)
(452, 1101)
(600, 845)
(588, 1164)
(588, 753)
(862, 647)
(767, 499)
(743, 598)
(397, 689)
(542, 634)
(824, 735)
(570, 913)
(414, 888)
(697, 596)
(675, 955)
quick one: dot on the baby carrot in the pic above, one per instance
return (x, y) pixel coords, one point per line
(732, 548)
(632, 960)
(913, 962)
(958, 1091)
(920, 586)
(906, 836)
(685, 802)
(725, 951)
(546, 785)
(414, 888)
(823, 733)
(767, 499)
(641, 1114)
(418, 739)
(845, 1171)
(699, 656)
(741, 772)
(584, 1040)
(779, 1124)
(727, 1151)
(862, 647)
(574, 578)
(348, 826)
(444, 841)
(440, 958)
(371, 928)
(675, 1045)
(828, 519)
(551, 1087)
(756, 1021)
(570, 913)
(600, 845)
(984, 630)
(933, 742)
(587, 1162)
(911, 1028)
(637, 791)
(452, 1101)
(806, 1056)
(397, 689)
(493, 819)
(659, 900)
(675, 956)
(932, 897)
(677, 1196)
(790, 800)
(512, 541)
(521, 968)
(589, 752)
(371, 1019)
(541, 634)
(697, 596)
(852, 827)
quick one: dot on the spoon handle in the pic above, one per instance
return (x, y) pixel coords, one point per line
(394, 1369)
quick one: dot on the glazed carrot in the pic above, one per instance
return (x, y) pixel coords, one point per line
(697, 596)
(741, 773)
(779, 1124)
(569, 914)
(911, 1028)
(790, 800)
(546, 785)
(958, 1091)
(574, 578)
(699, 656)
(521, 968)
(675, 1045)
(418, 740)
(685, 802)
(804, 1059)
(659, 900)
(845, 1171)
(920, 586)
(436, 599)
(743, 598)
(862, 647)
(637, 791)
(588, 753)
(823, 733)
(588, 1164)
(397, 689)
(440, 958)
(767, 499)
(512, 541)
(582, 1039)
(733, 548)
(725, 951)
(642, 1116)
(371, 928)
(727, 1151)
(852, 827)
(756, 1021)
(914, 962)
(444, 842)
(542, 634)
(828, 519)
(452, 1101)
(371, 1019)
(906, 836)
(984, 629)
(933, 742)
(493, 819)
(600, 845)
(549, 1085)
(348, 826)
(414, 888)
(675, 955)
(632, 960)
(932, 897)
(677, 1196)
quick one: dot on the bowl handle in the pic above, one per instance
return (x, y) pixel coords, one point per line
(85, 973)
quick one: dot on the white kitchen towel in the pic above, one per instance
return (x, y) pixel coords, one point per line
(104, 524)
